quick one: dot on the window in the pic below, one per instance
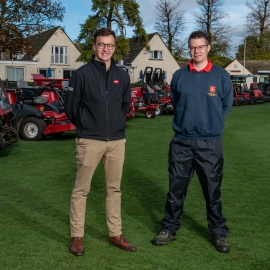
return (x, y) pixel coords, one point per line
(44, 72)
(156, 55)
(67, 73)
(15, 73)
(59, 55)
(264, 78)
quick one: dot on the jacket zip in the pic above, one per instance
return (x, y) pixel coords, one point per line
(102, 85)
(107, 107)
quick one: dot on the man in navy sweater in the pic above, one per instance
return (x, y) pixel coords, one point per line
(202, 95)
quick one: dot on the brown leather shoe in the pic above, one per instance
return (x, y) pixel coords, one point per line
(76, 246)
(121, 242)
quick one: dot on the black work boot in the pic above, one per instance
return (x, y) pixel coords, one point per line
(163, 239)
(221, 245)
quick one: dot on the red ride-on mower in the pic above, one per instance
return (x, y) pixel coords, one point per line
(8, 129)
(263, 84)
(35, 117)
(164, 99)
(55, 94)
(147, 98)
(243, 95)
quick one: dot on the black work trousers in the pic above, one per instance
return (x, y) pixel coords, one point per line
(206, 157)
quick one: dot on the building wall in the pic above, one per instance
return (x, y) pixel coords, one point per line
(29, 67)
(59, 38)
(167, 64)
(43, 59)
(236, 68)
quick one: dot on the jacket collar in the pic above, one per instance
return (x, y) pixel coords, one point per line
(101, 64)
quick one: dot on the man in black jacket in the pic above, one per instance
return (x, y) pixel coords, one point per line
(97, 102)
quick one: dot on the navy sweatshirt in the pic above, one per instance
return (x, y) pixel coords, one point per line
(201, 101)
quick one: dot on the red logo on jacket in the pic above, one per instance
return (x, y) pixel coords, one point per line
(212, 89)
(116, 82)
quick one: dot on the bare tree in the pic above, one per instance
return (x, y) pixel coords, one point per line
(209, 19)
(170, 24)
(258, 20)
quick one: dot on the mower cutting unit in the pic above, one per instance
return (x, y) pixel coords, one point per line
(243, 95)
(8, 129)
(147, 98)
(35, 116)
(164, 99)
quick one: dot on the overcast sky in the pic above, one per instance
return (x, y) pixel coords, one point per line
(78, 11)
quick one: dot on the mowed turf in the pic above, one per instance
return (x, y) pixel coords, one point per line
(37, 178)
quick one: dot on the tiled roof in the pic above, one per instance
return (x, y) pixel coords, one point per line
(254, 65)
(38, 41)
(136, 47)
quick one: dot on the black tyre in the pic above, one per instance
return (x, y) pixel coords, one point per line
(150, 114)
(32, 128)
(159, 110)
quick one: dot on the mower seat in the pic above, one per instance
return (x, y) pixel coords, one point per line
(150, 98)
(162, 94)
(23, 84)
(149, 89)
(30, 92)
(35, 101)
(158, 88)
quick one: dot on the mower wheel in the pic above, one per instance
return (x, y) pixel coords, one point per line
(32, 128)
(159, 110)
(150, 114)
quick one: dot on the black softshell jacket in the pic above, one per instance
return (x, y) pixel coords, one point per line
(97, 101)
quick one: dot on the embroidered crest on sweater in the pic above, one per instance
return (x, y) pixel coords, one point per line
(212, 91)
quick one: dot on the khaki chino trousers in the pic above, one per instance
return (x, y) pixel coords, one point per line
(89, 153)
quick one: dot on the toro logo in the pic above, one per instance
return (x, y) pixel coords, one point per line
(212, 91)
(115, 81)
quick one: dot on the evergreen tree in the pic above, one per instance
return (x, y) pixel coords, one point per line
(116, 15)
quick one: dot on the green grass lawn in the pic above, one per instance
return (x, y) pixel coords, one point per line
(37, 178)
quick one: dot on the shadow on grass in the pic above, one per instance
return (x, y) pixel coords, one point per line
(5, 152)
(152, 197)
(191, 224)
(39, 216)
(8, 150)
(35, 214)
(69, 135)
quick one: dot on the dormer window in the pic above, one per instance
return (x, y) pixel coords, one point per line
(158, 55)
(59, 55)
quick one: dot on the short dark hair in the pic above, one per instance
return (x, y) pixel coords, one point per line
(198, 34)
(103, 32)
